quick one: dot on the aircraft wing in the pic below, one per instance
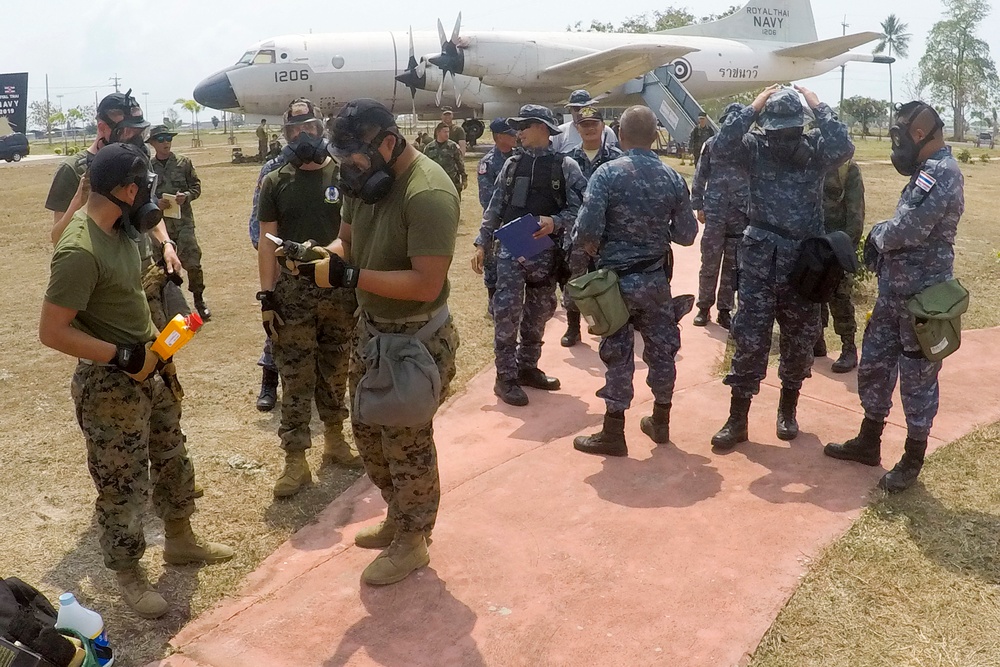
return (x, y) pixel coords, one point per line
(604, 70)
(828, 48)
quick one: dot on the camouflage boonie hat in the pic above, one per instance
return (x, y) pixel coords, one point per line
(730, 108)
(537, 113)
(579, 98)
(783, 109)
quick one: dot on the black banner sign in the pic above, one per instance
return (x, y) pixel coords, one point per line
(14, 100)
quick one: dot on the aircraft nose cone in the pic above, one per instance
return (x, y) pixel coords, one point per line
(216, 92)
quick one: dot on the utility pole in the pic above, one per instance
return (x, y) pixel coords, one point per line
(115, 79)
(845, 26)
(65, 126)
(48, 111)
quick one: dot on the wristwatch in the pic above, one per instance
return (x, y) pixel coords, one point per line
(170, 242)
(264, 294)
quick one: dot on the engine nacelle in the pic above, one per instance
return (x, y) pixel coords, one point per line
(499, 60)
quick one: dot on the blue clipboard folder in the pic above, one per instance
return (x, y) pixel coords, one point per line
(516, 237)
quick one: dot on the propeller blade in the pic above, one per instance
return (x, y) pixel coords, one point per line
(454, 33)
(412, 56)
(441, 32)
(458, 93)
(440, 90)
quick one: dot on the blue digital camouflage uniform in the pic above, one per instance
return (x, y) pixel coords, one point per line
(633, 209)
(487, 173)
(789, 199)
(267, 355)
(579, 263)
(722, 190)
(526, 293)
(916, 250)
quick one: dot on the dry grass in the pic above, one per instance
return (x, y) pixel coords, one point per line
(913, 583)
(47, 496)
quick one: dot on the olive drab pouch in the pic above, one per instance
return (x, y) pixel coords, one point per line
(936, 314)
(600, 301)
(401, 386)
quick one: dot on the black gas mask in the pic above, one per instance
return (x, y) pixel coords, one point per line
(905, 151)
(789, 146)
(132, 118)
(306, 148)
(142, 214)
(374, 183)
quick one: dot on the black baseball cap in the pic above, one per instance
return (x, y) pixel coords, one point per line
(346, 129)
(116, 164)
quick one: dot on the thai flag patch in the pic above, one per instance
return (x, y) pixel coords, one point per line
(925, 181)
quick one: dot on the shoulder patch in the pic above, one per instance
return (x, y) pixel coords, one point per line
(925, 181)
(483, 166)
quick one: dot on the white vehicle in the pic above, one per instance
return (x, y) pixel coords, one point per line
(492, 74)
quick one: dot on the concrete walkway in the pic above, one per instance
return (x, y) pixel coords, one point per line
(545, 556)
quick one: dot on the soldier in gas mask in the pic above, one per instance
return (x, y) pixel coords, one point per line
(310, 328)
(95, 310)
(787, 168)
(913, 250)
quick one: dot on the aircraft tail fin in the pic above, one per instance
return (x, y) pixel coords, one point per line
(787, 21)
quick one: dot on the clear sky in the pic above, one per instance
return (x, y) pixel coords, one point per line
(167, 48)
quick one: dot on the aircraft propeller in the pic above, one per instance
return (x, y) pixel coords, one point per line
(451, 60)
(414, 76)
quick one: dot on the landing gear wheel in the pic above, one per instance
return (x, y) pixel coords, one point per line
(474, 128)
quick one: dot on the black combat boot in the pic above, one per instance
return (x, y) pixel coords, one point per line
(904, 474)
(848, 358)
(572, 335)
(703, 317)
(735, 429)
(201, 307)
(510, 392)
(657, 427)
(786, 427)
(609, 441)
(533, 377)
(864, 448)
(268, 391)
(725, 319)
(819, 347)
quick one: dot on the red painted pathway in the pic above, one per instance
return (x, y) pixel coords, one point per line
(545, 556)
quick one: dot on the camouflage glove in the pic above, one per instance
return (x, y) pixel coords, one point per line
(331, 271)
(137, 361)
(153, 280)
(269, 315)
(169, 375)
(290, 254)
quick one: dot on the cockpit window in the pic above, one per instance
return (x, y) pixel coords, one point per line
(246, 59)
(264, 57)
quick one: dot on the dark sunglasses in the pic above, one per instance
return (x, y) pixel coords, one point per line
(163, 138)
(524, 124)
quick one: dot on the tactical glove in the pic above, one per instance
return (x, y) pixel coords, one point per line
(290, 255)
(331, 271)
(153, 280)
(870, 253)
(137, 361)
(269, 315)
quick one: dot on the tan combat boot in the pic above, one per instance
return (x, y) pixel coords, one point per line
(408, 552)
(337, 451)
(295, 477)
(378, 536)
(139, 594)
(182, 546)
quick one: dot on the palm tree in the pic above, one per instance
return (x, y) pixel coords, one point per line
(894, 39)
(194, 108)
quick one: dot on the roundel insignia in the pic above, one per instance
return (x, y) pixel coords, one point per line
(332, 195)
(482, 167)
(682, 69)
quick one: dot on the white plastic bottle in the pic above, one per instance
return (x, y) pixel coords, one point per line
(74, 616)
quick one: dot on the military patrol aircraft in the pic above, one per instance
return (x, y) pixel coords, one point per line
(491, 74)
